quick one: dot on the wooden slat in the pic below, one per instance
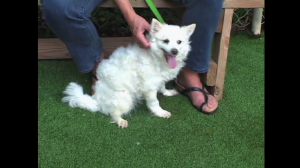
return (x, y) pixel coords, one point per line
(52, 49)
(56, 49)
(168, 4)
(212, 73)
(244, 4)
(220, 52)
(220, 27)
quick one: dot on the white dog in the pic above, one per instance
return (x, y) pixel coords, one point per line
(132, 73)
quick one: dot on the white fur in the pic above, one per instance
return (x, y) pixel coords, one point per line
(132, 74)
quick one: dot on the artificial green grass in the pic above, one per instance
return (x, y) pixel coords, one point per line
(232, 138)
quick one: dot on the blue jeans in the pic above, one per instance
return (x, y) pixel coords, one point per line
(70, 21)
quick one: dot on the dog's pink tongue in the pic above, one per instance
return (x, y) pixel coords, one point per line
(172, 61)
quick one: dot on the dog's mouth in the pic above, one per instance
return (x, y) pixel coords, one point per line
(171, 59)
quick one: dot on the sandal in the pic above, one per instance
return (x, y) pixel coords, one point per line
(186, 91)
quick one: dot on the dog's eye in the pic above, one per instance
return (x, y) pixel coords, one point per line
(178, 42)
(166, 41)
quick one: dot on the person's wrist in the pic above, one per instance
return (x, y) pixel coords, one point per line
(130, 18)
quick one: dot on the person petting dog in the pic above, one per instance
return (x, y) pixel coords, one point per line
(71, 22)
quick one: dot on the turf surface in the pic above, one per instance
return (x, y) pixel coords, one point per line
(232, 138)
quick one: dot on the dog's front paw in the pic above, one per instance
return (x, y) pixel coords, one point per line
(122, 123)
(171, 92)
(163, 114)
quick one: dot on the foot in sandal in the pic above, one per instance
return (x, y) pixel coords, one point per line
(188, 83)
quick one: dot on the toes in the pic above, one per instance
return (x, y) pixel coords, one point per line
(211, 105)
(167, 115)
(212, 102)
(163, 114)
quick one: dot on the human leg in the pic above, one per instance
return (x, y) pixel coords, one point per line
(206, 14)
(70, 20)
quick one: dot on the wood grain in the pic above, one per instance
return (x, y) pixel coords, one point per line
(56, 49)
(244, 4)
(220, 52)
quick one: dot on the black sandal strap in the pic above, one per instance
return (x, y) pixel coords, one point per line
(197, 89)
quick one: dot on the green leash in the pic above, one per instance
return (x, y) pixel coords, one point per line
(154, 10)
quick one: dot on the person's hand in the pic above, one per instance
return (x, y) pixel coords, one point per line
(138, 26)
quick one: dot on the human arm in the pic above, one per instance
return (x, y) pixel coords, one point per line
(137, 24)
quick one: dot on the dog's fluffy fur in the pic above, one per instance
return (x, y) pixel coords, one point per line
(132, 74)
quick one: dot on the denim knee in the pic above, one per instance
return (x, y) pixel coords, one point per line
(71, 23)
(57, 9)
(60, 15)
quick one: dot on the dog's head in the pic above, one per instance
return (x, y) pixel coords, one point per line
(171, 41)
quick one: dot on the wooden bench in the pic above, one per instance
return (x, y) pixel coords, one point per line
(55, 49)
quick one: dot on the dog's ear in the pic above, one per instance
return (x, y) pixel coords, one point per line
(155, 26)
(189, 29)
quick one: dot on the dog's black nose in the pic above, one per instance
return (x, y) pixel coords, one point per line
(174, 51)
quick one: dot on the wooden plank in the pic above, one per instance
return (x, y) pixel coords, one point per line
(52, 49)
(56, 49)
(244, 4)
(212, 73)
(220, 27)
(220, 52)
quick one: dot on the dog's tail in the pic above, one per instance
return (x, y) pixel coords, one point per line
(76, 98)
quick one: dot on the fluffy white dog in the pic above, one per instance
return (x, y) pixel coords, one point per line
(132, 73)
